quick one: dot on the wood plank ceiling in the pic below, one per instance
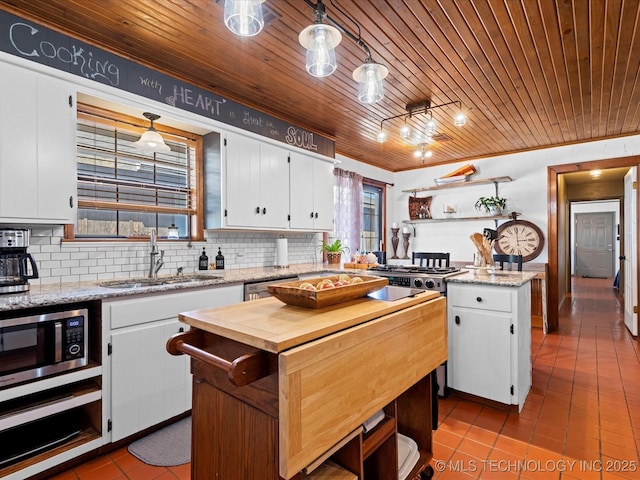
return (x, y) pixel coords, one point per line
(529, 74)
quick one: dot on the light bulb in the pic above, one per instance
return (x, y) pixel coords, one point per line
(460, 119)
(244, 17)
(382, 136)
(405, 131)
(431, 127)
(321, 56)
(370, 86)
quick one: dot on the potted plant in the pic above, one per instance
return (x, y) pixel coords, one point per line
(491, 205)
(334, 250)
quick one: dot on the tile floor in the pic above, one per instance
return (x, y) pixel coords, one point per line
(581, 420)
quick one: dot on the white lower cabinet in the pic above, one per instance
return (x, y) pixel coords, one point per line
(489, 334)
(147, 384)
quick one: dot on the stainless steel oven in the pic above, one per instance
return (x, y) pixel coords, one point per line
(36, 346)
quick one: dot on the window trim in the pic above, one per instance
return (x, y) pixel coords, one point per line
(383, 189)
(134, 124)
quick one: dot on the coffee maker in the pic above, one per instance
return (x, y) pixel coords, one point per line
(15, 261)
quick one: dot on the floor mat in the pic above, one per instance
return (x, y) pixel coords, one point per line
(167, 447)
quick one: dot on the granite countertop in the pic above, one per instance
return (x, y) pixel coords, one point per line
(498, 278)
(60, 293)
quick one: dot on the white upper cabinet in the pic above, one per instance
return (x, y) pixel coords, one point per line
(311, 193)
(37, 148)
(257, 184)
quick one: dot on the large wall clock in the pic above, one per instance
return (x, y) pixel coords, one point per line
(519, 237)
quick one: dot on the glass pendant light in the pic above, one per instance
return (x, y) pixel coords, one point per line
(244, 17)
(151, 140)
(460, 119)
(431, 127)
(382, 136)
(320, 41)
(405, 130)
(369, 77)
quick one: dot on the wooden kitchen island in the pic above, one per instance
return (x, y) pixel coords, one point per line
(279, 389)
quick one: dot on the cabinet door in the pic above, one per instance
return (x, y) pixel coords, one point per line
(480, 353)
(242, 192)
(302, 191)
(274, 181)
(323, 200)
(148, 385)
(18, 145)
(37, 148)
(311, 193)
(57, 164)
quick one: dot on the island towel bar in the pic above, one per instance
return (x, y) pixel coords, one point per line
(242, 371)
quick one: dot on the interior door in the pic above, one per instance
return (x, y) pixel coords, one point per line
(630, 252)
(594, 244)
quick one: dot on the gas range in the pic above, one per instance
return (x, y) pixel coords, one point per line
(414, 276)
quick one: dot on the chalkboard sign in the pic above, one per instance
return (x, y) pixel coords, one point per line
(36, 43)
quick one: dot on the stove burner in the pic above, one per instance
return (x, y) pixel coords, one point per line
(415, 276)
(415, 269)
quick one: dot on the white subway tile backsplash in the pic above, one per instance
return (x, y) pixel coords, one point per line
(60, 261)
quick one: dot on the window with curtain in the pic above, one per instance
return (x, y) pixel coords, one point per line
(348, 209)
(372, 216)
(124, 192)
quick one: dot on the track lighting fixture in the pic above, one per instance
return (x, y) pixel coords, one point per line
(151, 140)
(244, 17)
(425, 134)
(320, 40)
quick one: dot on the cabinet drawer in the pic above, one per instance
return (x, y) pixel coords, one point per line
(152, 308)
(478, 297)
(322, 380)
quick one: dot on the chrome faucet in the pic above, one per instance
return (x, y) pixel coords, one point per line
(155, 264)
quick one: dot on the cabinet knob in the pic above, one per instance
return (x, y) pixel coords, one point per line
(264, 211)
(71, 201)
(316, 214)
(258, 210)
(181, 330)
(311, 216)
(479, 299)
(457, 320)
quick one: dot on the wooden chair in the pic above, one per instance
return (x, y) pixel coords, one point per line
(429, 259)
(510, 260)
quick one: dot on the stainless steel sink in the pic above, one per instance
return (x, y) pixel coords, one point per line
(151, 282)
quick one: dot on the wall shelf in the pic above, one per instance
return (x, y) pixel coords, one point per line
(456, 219)
(481, 181)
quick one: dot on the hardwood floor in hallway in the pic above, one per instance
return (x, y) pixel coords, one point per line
(581, 419)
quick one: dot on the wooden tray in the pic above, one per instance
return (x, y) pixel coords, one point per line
(291, 293)
(363, 266)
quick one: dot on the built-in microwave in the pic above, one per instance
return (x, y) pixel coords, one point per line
(37, 346)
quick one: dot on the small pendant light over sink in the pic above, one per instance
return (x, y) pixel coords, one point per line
(151, 140)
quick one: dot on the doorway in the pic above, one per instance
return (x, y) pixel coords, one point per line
(594, 244)
(559, 244)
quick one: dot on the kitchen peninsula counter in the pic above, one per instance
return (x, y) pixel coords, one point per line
(499, 278)
(318, 375)
(489, 322)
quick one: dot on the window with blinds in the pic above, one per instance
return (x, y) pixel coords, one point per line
(124, 192)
